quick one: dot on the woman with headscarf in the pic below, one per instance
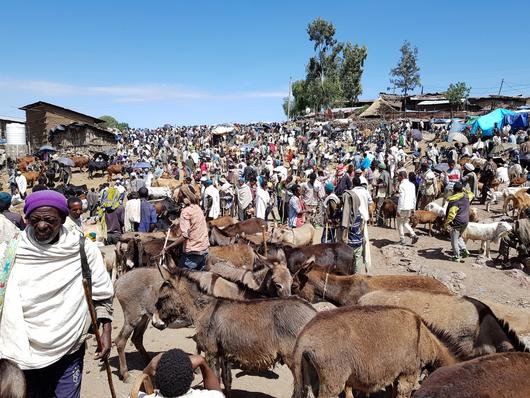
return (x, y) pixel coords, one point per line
(194, 238)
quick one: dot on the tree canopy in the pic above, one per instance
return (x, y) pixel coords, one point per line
(406, 74)
(112, 123)
(457, 93)
(333, 73)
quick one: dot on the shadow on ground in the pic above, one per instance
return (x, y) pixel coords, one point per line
(433, 254)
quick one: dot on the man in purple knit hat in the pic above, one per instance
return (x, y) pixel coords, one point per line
(43, 313)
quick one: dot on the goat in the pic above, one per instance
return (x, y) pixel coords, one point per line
(425, 217)
(389, 211)
(486, 233)
(520, 200)
(496, 196)
(253, 335)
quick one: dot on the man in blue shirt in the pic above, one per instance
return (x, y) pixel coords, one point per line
(147, 212)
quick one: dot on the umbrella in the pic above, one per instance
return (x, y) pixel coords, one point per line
(500, 148)
(142, 165)
(416, 135)
(66, 162)
(441, 167)
(458, 137)
(47, 148)
(110, 152)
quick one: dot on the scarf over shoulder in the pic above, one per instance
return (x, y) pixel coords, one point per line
(45, 315)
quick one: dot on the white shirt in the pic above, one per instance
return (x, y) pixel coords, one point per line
(215, 210)
(365, 199)
(407, 196)
(262, 201)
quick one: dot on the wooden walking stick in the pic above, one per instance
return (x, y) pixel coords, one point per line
(87, 287)
(93, 319)
(264, 235)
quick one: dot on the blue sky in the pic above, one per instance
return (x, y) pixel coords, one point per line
(155, 62)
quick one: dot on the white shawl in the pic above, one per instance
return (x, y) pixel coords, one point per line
(45, 313)
(132, 214)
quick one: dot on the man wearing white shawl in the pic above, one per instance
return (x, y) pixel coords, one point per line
(43, 312)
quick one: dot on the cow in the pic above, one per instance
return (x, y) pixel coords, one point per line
(80, 161)
(114, 169)
(94, 166)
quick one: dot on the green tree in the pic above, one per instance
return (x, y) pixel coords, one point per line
(457, 94)
(333, 73)
(406, 74)
(110, 122)
(351, 71)
(299, 100)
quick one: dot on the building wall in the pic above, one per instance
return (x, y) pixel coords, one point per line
(36, 127)
(80, 139)
(41, 120)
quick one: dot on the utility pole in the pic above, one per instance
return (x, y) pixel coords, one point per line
(500, 88)
(289, 100)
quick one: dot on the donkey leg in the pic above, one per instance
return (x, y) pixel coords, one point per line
(120, 342)
(138, 338)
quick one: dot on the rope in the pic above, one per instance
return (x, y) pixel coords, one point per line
(326, 284)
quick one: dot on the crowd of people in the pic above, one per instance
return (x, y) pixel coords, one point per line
(333, 177)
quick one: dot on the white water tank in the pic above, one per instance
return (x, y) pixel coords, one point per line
(16, 134)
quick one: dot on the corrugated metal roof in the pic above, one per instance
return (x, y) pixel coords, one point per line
(433, 102)
(13, 119)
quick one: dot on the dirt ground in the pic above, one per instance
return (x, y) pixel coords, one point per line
(506, 290)
(476, 277)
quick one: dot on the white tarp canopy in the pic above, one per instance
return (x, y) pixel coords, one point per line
(222, 130)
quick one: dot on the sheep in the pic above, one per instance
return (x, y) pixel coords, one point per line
(442, 210)
(436, 208)
(486, 233)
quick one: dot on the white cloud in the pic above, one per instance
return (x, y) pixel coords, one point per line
(128, 93)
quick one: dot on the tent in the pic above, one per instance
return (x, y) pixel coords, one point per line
(487, 122)
(457, 126)
(517, 121)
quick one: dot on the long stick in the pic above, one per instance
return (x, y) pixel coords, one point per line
(263, 234)
(93, 319)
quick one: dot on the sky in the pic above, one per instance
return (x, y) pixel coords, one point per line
(153, 62)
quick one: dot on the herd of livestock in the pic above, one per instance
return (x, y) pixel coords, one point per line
(251, 308)
(253, 305)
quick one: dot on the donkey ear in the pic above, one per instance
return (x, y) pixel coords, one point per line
(309, 263)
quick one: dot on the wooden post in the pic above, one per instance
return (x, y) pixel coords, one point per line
(264, 235)
(94, 321)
